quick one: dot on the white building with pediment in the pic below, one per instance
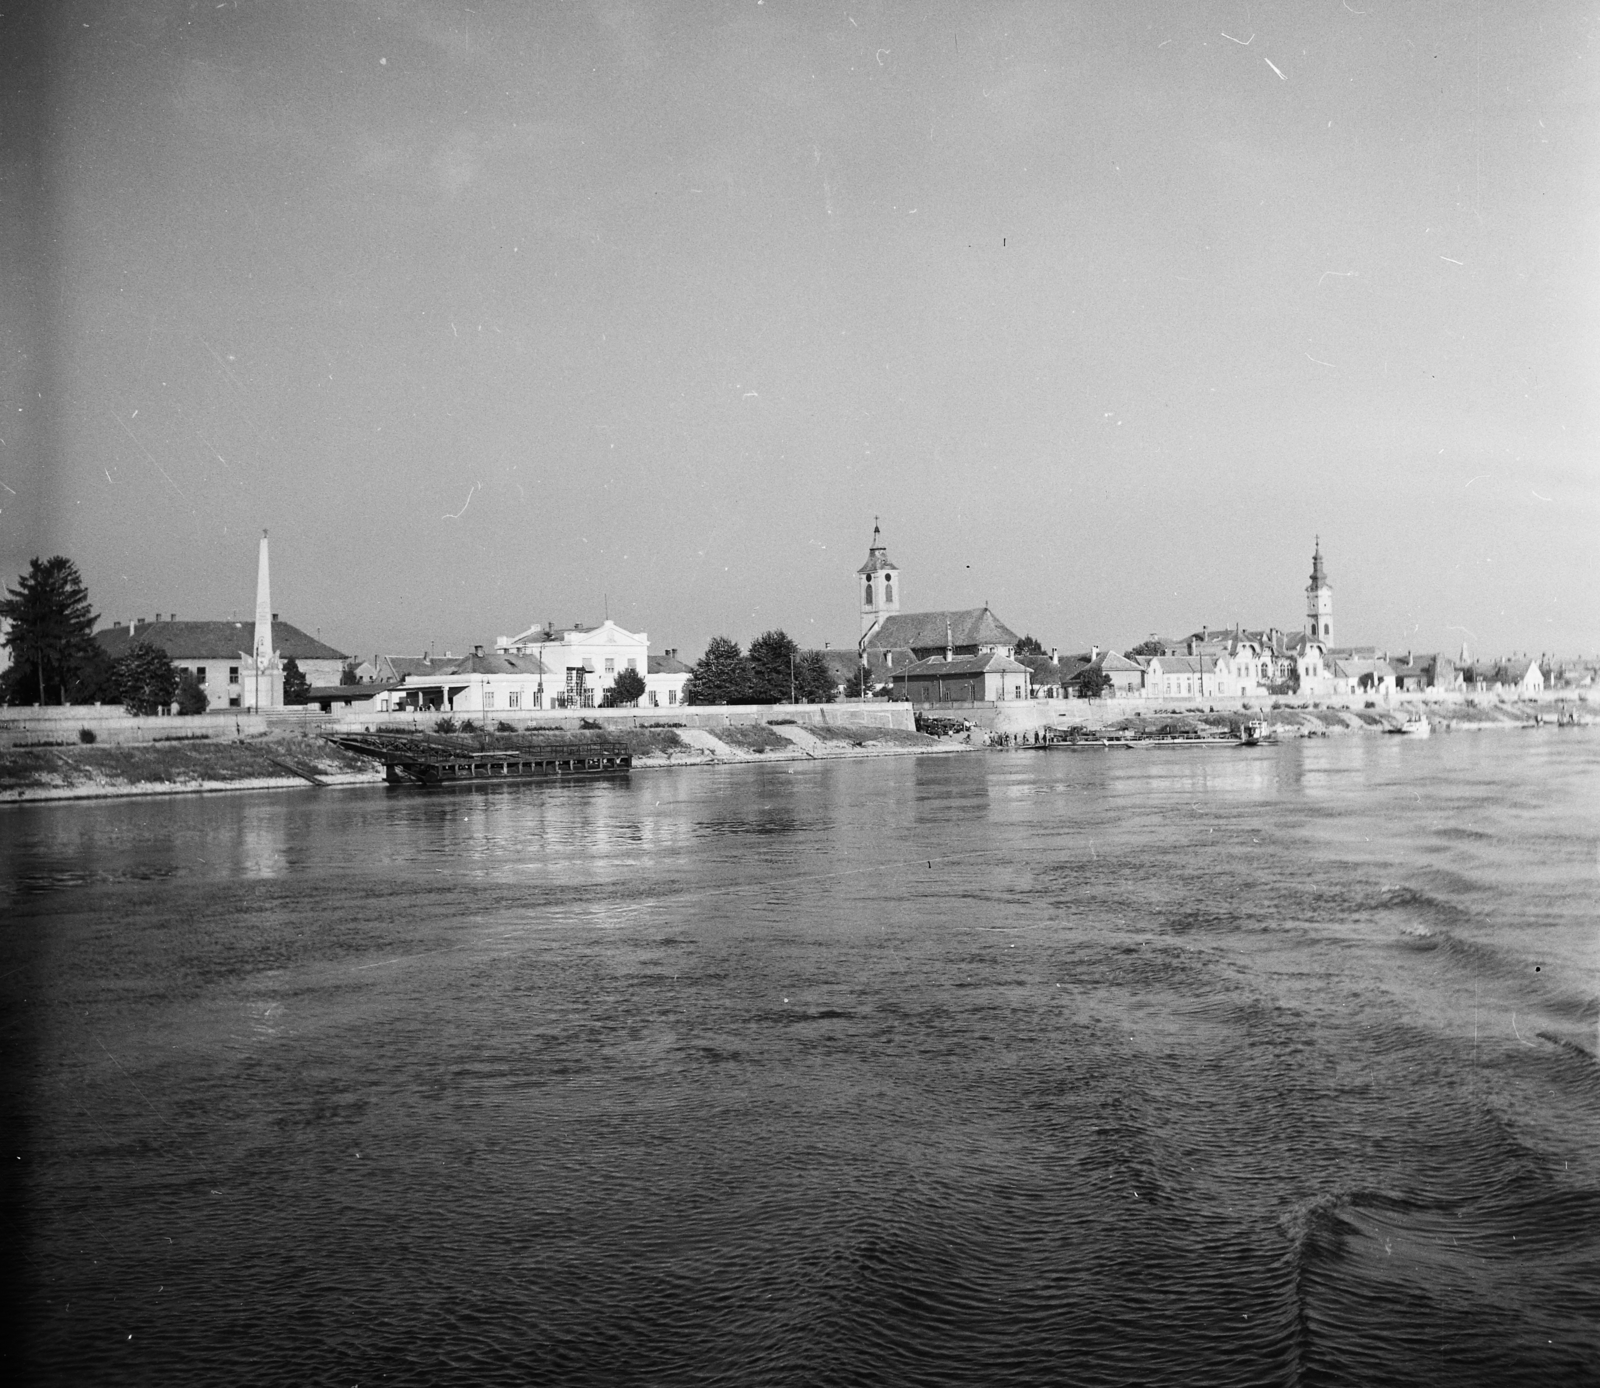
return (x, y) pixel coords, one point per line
(578, 663)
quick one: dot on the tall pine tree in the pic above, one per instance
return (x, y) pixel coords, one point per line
(51, 633)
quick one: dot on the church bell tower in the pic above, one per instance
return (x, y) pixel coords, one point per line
(880, 585)
(1319, 600)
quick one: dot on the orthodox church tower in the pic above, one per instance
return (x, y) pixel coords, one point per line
(1319, 600)
(880, 585)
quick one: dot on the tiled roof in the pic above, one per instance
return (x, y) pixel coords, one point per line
(412, 665)
(994, 663)
(215, 640)
(973, 626)
(1186, 664)
(1110, 660)
(491, 665)
(667, 665)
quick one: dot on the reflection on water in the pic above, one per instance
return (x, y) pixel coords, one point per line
(1257, 1065)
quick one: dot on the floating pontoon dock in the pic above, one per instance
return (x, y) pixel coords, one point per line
(421, 760)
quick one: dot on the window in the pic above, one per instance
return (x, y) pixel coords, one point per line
(233, 674)
(869, 591)
(632, 663)
(514, 699)
(1324, 628)
(654, 702)
(488, 698)
(672, 696)
(888, 587)
(200, 673)
(611, 665)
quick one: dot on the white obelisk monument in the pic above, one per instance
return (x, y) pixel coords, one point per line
(264, 686)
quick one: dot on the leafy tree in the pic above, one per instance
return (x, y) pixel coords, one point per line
(627, 689)
(145, 678)
(1154, 646)
(814, 678)
(348, 674)
(192, 696)
(774, 675)
(859, 685)
(721, 675)
(95, 681)
(1090, 682)
(296, 687)
(1028, 645)
(51, 634)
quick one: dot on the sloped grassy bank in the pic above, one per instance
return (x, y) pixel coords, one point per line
(72, 772)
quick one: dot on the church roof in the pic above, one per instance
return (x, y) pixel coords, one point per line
(215, 640)
(973, 626)
(1319, 575)
(877, 556)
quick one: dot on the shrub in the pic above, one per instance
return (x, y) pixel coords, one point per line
(296, 687)
(468, 726)
(592, 724)
(192, 698)
(447, 724)
(504, 727)
(87, 735)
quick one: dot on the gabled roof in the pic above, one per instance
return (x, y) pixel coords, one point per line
(1110, 661)
(993, 663)
(910, 631)
(667, 665)
(215, 640)
(547, 633)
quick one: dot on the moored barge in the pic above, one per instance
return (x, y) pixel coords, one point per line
(417, 759)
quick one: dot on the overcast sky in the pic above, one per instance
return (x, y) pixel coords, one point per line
(500, 313)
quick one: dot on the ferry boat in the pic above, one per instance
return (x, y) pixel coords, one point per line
(1254, 731)
(1416, 725)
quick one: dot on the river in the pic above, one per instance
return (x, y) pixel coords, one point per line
(1263, 1066)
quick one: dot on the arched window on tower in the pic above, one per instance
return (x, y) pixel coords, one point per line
(888, 587)
(868, 598)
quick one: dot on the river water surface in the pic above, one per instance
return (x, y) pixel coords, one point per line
(1260, 1066)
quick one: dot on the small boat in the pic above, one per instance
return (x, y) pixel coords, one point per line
(1254, 731)
(1416, 725)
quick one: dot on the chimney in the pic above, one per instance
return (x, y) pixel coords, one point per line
(1094, 654)
(133, 625)
(274, 616)
(477, 651)
(1053, 658)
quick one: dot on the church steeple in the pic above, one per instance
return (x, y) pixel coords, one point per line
(880, 584)
(1319, 599)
